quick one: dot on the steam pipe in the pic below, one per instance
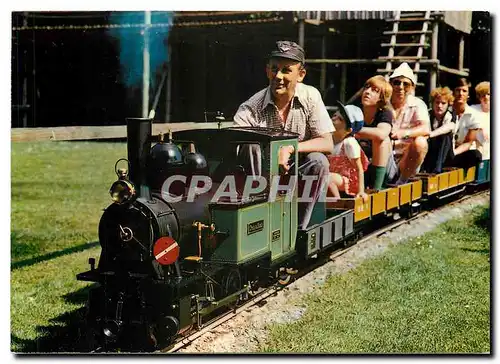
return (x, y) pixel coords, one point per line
(138, 149)
(152, 113)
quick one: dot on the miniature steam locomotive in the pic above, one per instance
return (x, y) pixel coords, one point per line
(184, 240)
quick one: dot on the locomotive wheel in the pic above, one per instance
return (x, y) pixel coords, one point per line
(166, 329)
(284, 279)
(232, 283)
(285, 276)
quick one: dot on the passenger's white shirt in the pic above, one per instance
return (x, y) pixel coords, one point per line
(470, 119)
(473, 119)
(351, 148)
(484, 134)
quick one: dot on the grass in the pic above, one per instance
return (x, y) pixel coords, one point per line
(58, 193)
(431, 295)
(47, 302)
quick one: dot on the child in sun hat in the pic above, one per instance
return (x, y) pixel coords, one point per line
(348, 161)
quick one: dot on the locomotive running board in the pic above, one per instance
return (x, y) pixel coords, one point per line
(201, 312)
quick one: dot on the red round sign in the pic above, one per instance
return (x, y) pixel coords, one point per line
(166, 250)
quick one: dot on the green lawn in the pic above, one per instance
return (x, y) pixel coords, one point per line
(59, 190)
(430, 295)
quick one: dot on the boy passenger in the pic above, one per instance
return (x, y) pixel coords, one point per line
(443, 121)
(466, 141)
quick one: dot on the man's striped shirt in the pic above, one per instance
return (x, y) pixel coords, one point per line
(308, 116)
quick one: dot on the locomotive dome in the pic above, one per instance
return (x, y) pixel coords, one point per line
(163, 154)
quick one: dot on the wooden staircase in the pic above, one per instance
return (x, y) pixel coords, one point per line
(409, 36)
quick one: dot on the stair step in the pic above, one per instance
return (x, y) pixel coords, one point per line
(410, 14)
(402, 58)
(437, 13)
(408, 19)
(383, 70)
(405, 45)
(402, 32)
(399, 61)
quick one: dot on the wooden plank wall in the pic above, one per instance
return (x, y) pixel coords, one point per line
(99, 132)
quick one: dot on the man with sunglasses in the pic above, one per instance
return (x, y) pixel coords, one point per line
(288, 104)
(410, 128)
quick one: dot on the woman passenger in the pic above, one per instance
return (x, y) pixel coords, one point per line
(374, 137)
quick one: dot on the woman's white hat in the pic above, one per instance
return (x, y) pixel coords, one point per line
(404, 70)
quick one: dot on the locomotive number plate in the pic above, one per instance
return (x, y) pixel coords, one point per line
(255, 227)
(276, 235)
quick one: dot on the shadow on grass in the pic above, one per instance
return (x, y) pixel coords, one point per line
(483, 219)
(49, 256)
(480, 251)
(66, 335)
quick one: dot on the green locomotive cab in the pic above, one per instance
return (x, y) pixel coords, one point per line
(251, 221)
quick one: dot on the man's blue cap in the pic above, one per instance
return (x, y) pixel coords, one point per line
(290, 50)
(352, 115)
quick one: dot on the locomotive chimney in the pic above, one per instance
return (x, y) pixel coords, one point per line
(138, 148)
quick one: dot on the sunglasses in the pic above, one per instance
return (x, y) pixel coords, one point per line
(399, 82)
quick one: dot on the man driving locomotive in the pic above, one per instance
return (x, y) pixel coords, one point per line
(290, 105)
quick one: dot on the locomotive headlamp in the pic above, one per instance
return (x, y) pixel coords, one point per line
(122, 191)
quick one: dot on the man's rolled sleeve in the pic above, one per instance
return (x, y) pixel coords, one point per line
(319, 120)
(474, 121)
(244, 116)
(421, 116)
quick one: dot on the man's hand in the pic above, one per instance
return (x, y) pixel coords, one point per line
(284, 156)
(399, 134)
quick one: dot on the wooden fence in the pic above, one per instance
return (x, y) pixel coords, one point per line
(99, 132)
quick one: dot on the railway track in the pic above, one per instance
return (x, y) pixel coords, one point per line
(260, 297)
